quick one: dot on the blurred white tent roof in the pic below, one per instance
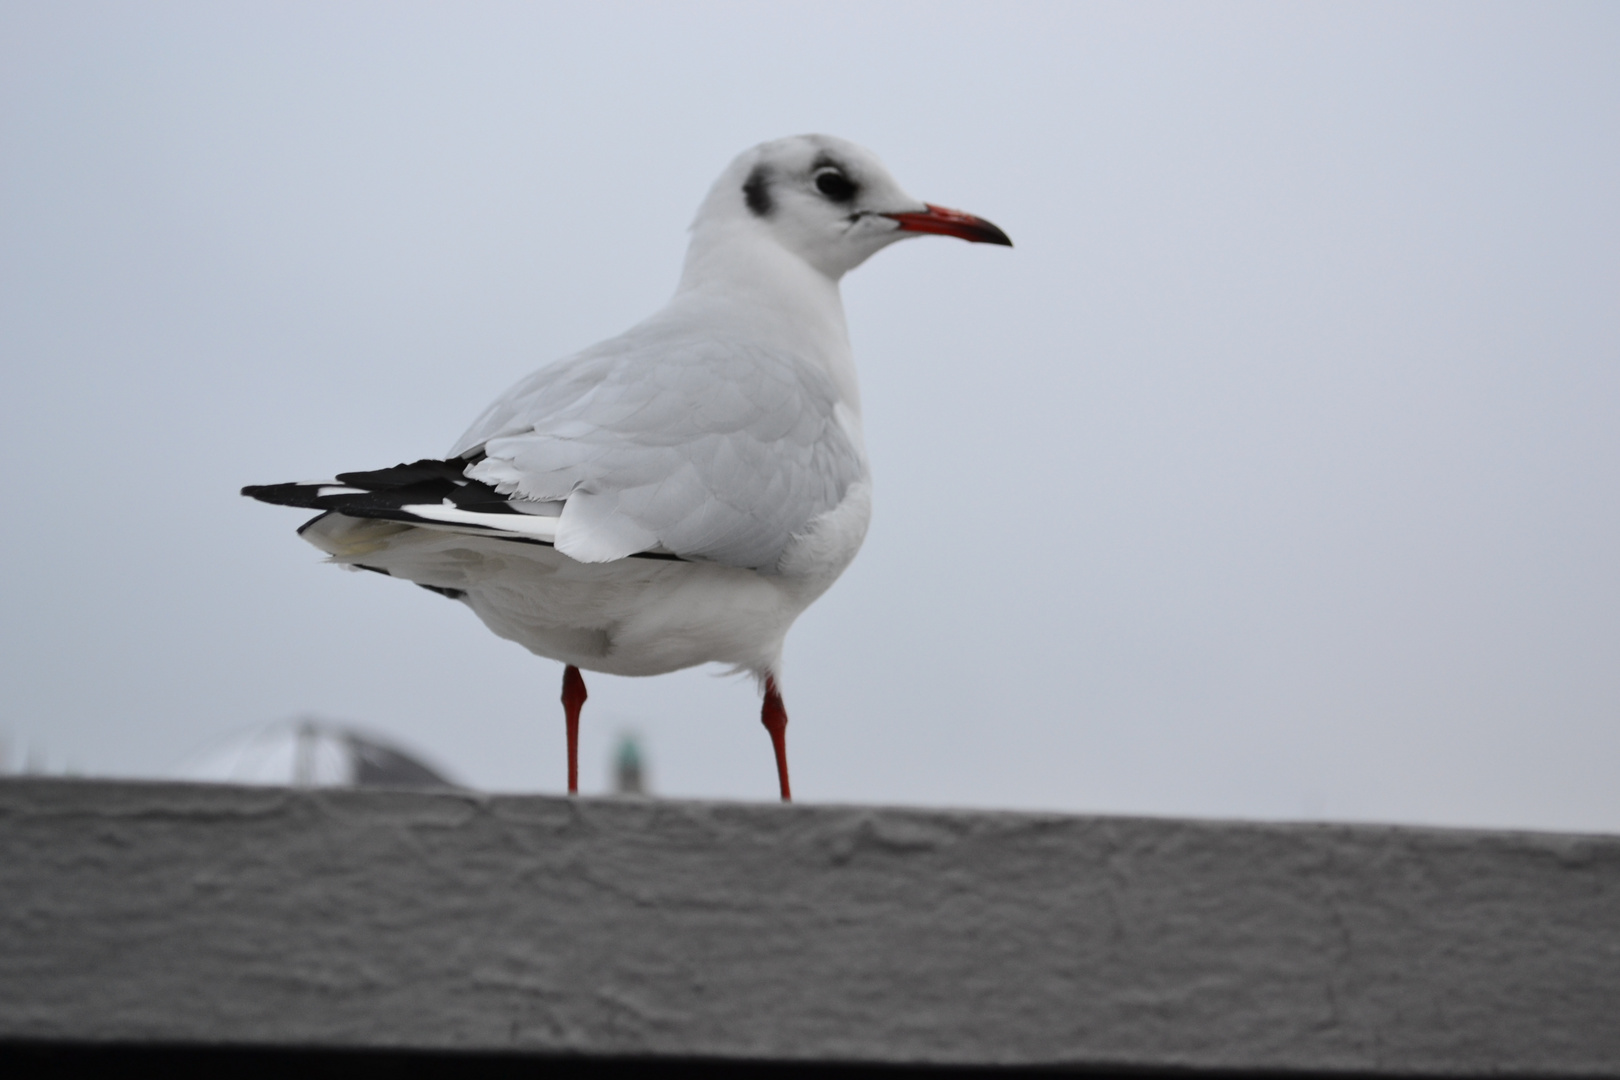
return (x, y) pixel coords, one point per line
(310, 752)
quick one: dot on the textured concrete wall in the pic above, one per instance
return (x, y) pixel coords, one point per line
(181, 913)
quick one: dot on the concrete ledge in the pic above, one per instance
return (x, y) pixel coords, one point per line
(187, 914)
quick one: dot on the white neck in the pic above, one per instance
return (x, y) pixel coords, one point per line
(738, 277)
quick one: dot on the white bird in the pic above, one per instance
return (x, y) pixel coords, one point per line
(679, 494)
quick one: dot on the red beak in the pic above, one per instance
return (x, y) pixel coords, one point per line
(938, 219)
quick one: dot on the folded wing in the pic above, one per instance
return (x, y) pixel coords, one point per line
(710, 450)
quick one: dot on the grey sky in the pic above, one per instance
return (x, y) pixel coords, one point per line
(1274, 473)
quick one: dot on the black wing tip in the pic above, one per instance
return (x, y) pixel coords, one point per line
(401, 475)
(304, 495)
(386, 492)
(406, 473)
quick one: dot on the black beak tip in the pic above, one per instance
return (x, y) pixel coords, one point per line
(994, 235)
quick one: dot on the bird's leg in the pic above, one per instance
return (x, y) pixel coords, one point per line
(774, 717)
(573, 696)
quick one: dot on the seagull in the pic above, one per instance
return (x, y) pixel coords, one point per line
(679, 494)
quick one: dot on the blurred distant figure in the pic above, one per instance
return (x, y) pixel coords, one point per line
(307, 752)
(26, 759)
(629, 778)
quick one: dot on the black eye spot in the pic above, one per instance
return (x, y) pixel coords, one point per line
(835, 185)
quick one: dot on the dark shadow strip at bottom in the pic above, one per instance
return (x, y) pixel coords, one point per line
(21, 1060)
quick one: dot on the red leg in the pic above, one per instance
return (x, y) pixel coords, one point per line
(573, 696)
(774, 717)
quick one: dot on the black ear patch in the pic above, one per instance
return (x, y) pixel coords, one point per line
(757, 190)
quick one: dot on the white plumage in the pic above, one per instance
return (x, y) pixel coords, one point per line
(679, 494)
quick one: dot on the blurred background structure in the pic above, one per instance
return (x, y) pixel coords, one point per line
(630, 768)
(1272, 475)
(309, 752)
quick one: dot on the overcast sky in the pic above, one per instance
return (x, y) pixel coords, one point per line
(1275, 473)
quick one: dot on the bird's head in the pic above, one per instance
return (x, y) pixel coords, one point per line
(826, 200)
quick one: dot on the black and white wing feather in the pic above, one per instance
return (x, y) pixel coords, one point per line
(427, 493)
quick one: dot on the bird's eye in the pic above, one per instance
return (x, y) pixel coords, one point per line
(835, 185)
